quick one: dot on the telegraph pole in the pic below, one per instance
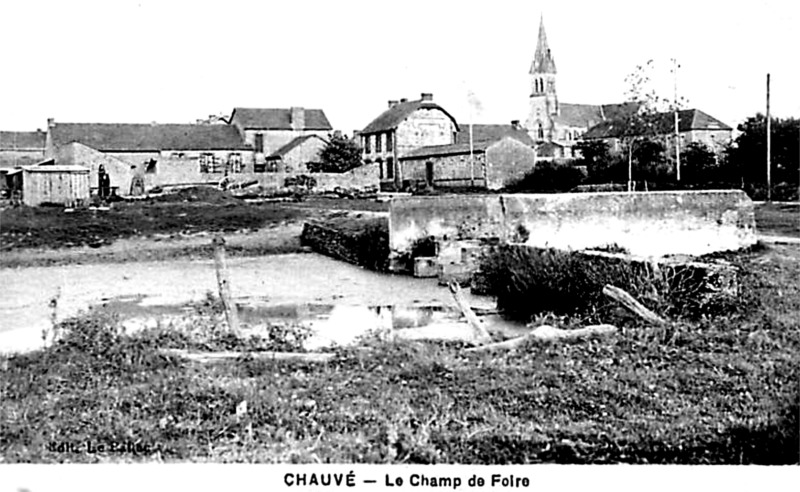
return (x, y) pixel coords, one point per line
(769, 148)
(677, 131)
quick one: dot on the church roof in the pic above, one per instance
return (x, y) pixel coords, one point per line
(543, 61)
(688, 120)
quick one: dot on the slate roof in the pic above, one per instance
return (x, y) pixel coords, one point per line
(278, 119)
(449, 149)
(389, 119)
(22, 140)
(483, 132)
(589, 115)
(296, 142)
(132, 137)
(688, 120)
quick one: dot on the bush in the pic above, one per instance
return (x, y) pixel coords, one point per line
(548, 177)
(529, 281)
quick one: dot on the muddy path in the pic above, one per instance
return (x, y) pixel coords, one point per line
(274, 279)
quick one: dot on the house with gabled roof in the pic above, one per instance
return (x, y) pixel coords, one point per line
(295, 155)
(404, 126)
(266, 130)
(160, 153)
(694, 125)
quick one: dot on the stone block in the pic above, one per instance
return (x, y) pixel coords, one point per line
(426, 267)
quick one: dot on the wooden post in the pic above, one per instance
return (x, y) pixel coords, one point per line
(769, 148)
(224, 283)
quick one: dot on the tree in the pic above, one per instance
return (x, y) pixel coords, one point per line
(646, 124)
(701, 165)
(340, 155)
(749, 151)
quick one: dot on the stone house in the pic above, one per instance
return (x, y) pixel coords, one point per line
(693, 126)
(294, 156)
(266, 130)
(163, 154)
(403, 127)
(490, 164)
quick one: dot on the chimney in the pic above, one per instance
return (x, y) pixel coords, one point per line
(51, 122)
(427, 96)
(392, 103)
(298, 118)
(403, 100)
(515, 124)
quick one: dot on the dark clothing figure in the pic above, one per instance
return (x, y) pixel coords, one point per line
(103, 183)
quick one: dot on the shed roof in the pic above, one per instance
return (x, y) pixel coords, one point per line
(279, 119)
(392, 117)
(134, 137)
(481, 132)
(64, 168)
(455, 149)
(10, 140)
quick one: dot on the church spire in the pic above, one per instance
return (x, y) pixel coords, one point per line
(543, 60)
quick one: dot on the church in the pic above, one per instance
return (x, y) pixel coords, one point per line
(557, 126)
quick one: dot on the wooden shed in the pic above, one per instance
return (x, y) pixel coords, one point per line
(48, 183)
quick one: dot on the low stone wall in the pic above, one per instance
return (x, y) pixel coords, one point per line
(360, 178)
(654, 224)
(362, 242)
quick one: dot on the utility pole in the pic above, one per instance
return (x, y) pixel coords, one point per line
(769, 148)
(677, 131)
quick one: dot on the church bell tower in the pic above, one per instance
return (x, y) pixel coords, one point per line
(543, 99)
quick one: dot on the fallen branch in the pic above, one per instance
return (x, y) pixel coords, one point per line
(211, 357)
(480, 335)
(633, 305)
(547, 333)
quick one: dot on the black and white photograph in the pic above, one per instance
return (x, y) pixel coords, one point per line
(346, 233)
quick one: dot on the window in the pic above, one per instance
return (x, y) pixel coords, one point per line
(390, 168)
(368, 144)
(378, 143)
(235, 163)
(209, 163)
(389, 143)
(259, 144)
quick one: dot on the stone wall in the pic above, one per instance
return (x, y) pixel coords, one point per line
(450, 170)
(362, 177)
(651, 224)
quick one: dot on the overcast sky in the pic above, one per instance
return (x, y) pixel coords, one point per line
(173, 62)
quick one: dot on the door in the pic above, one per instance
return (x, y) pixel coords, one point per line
(429, 173)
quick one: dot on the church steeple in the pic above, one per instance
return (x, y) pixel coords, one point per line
(543, 62)
(543, 100)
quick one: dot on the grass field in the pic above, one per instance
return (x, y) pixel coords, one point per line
(717, 390)
(778, 219)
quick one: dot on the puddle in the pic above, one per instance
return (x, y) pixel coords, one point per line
(329, 324)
